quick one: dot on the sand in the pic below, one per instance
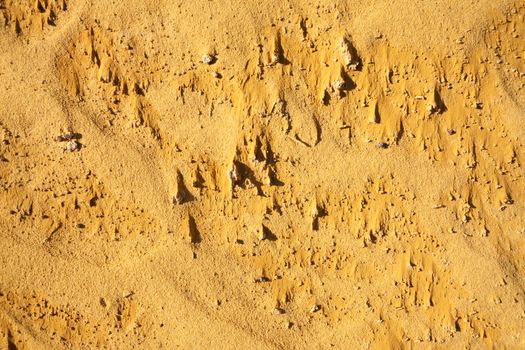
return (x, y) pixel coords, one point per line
(263, 175)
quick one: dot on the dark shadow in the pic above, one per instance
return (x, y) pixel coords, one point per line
(138, 90)
(326, 98)
(244, 173)
(440, 105)
(259, 155)
(270, 155)
(183, 194)
(315, 223)
(39, 7)
(321, 212)
(274, 181)
(302, 24)
(199, 180)
(18, 29)
(10, 341)
(268, 234)
(195, 235)
(400, 133)
(318, 131)
(69, 137)
(348, 83)
(51, 20)
(280, 52)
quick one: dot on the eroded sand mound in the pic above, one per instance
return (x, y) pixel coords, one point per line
(207, 174)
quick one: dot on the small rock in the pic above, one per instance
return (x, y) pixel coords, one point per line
(315, 308)
(278, 311)
(234, 176)
(67, 137)
(261, 234)
(349, 54)
(382, 145)
(288, 325)
(262, 279)
(216, 75)
(127, 294)
(276, 58)
(338, 85)
(181, 197)
(431, 108)
(73, 146)
(208, 59)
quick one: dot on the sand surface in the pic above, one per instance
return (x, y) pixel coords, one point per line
(235, 174)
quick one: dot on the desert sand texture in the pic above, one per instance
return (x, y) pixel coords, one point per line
(263, 174)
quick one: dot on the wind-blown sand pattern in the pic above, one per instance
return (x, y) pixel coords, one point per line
(264, 175)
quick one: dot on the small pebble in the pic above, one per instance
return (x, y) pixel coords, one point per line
(382, 145)
(261, 235)
(278, 311)
(73, 146)
(181, 197)
(67, 137)
(127, 294)
(338, 85)
(262, 279)
(208, 59)
(276, 57)
(315, 308)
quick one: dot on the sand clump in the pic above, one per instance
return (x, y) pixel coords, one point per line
(262, 175)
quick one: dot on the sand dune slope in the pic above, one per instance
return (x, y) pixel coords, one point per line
(273, 175)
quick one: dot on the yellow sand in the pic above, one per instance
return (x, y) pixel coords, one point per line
(336, 174)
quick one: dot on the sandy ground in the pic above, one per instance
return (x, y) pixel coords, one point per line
(262, 175)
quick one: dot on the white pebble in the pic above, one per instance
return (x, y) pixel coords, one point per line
(73, 146)
(208, 59)
(315, 308)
